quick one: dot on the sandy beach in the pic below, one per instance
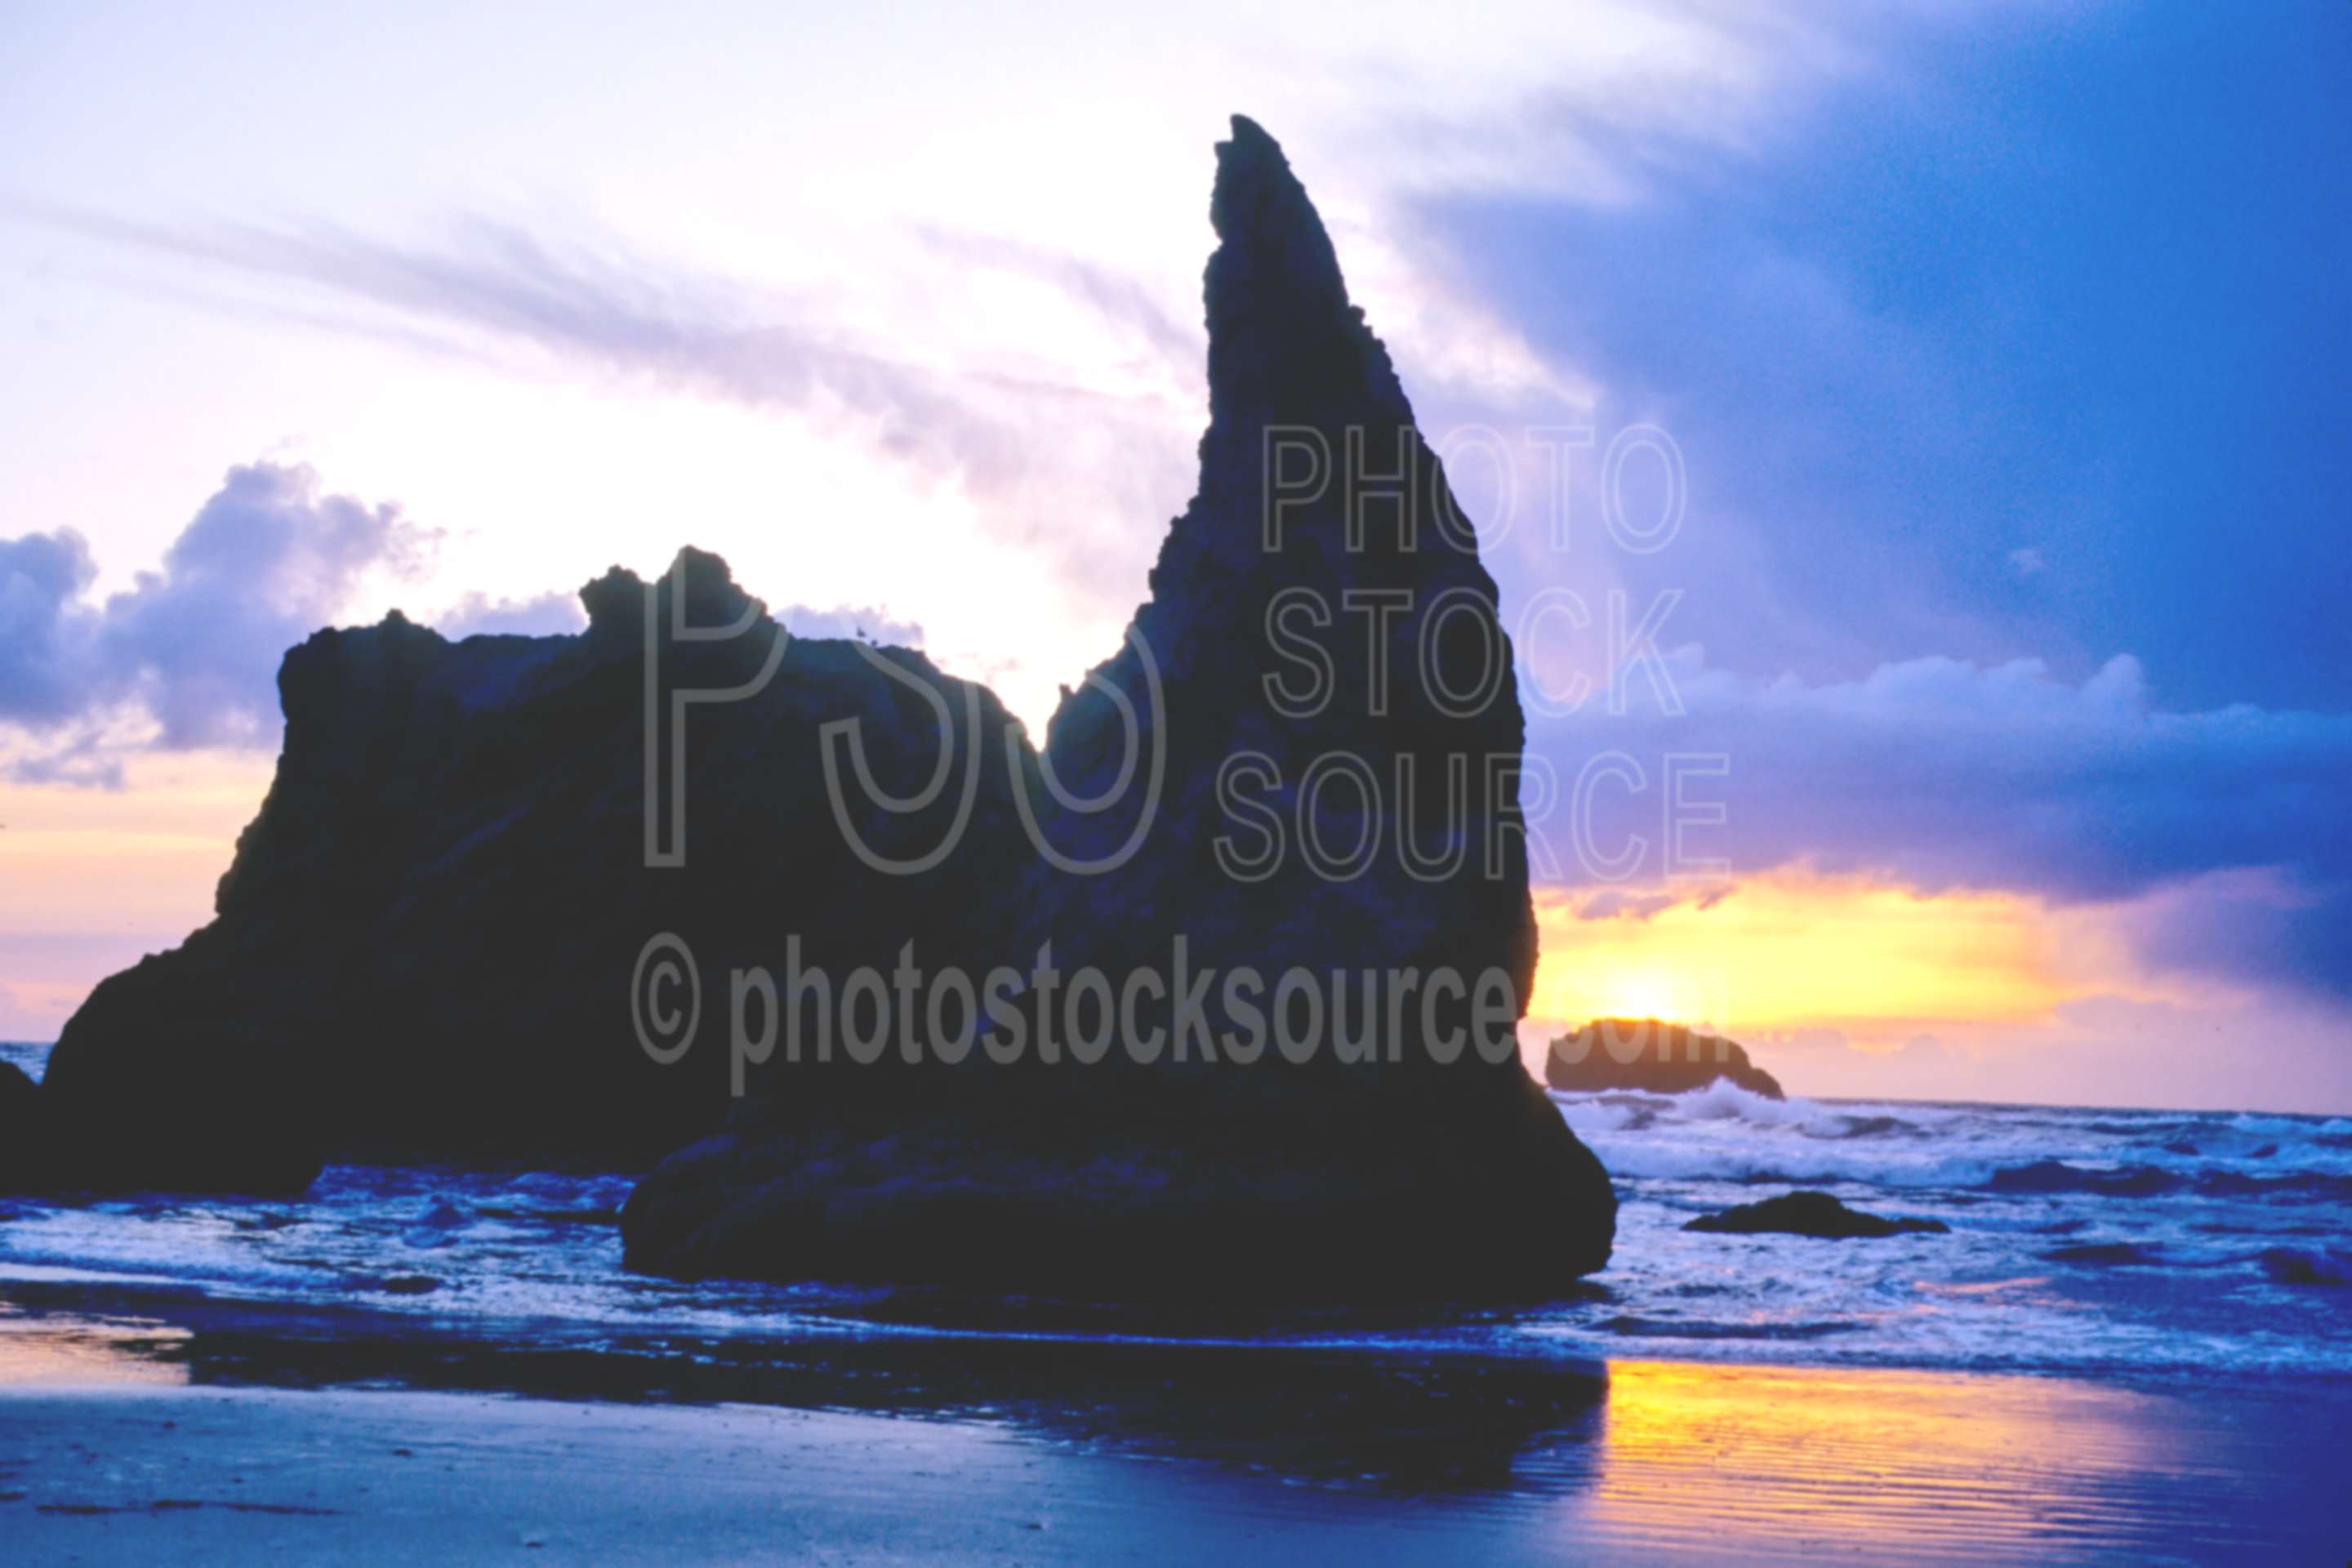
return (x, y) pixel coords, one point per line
(109, 1453)
(232, 1476)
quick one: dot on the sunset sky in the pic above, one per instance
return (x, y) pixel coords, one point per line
(1999, 349)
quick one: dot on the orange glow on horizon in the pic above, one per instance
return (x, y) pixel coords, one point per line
(1798, 950)
(145, 857)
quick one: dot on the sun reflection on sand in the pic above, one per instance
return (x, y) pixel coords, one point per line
(84, 1353)
(1901, 1463)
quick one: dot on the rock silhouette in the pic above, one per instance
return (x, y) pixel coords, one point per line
(1650, 1056)
(431, 939)
(24, 1141)
(425, 944)
(1402, 1175)
(1810, 1214)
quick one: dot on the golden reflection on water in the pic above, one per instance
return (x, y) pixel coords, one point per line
(82, 1352)
(1884, 1463)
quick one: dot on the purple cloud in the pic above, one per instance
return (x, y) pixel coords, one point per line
(195, 645)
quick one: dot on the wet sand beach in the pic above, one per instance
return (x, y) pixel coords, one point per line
(111, 1452)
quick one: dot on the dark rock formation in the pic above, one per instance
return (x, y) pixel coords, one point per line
(431, 938)
(23, 1138)
(1809, 1214)
(426, 942)
(2106, 1254)
(2306, 1265)
(1398, 1175)
(1645, 1054)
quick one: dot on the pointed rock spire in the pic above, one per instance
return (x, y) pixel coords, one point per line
(1285, 344)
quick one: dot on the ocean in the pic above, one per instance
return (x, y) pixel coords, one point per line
(2116, 1244)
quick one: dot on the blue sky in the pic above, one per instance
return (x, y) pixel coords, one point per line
(2001, 347)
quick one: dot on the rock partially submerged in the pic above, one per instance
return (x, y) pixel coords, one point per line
(2107, 1254)
(2307, 1265)
(23, 1139)
(1810, 1214)
(1650, 1056)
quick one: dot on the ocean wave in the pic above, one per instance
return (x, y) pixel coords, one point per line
(1843, 1127)
(2148, 1128)
(1827, 1163)
(1723, 1100)
(2142, 1181)
(2329, 1186)
(1995, 1156)
(2044, 1176)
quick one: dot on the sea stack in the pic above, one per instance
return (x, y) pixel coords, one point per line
(1400, 1176)
(426, 943)
(1652, 1057)
(492, 876)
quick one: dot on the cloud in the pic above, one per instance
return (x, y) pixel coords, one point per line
(1598, 102)
(265, 562)
(188, 656)
(862, 622)
(1024, 438)
(542, 615)
(2273, 924)
(1938, 774)
(85, 761)
(2095, 1050)
(41, 639)
(1881, 382)
(1118, 298)
(1614, 904)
